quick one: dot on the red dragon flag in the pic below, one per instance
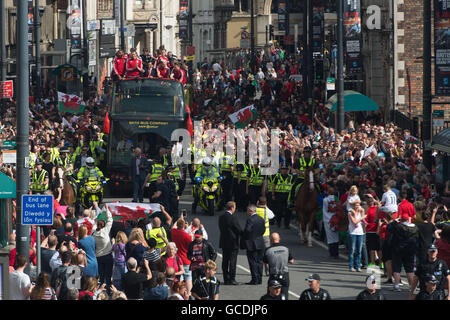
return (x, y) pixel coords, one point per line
(70, 103)
(244, 117)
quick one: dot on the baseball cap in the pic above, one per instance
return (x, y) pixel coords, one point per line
(432, 248)
(198, 233)
(274, 284)
(431, 278)
(313, 276)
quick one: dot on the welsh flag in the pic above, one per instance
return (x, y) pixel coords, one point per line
(411, 140)
(122, 212)
(244, 116)
(70, 103)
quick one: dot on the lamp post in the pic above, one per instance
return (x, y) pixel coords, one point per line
(340, 67)
(427, 108)
(37, 37)
(23, 92)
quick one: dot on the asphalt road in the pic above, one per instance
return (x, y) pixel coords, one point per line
(336, 278)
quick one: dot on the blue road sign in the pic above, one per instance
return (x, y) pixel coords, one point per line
(37, 210)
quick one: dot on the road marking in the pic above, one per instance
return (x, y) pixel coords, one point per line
(248, 271)
(341, 255)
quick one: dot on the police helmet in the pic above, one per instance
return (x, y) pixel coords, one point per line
(39, 161)
(307, 149)
(90, 162)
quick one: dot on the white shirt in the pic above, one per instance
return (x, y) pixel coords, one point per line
(18, 281)
(350, 200)
(389, 201)
(216, 67)
(355, 229)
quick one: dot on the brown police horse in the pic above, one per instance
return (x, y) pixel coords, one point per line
(68, 194)
(306, 206)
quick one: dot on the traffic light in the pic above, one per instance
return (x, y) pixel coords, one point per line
(318, 70)
(271, 32)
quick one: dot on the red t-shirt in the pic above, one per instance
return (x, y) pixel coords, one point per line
(371, 224)
(406, 210)
(179, 75)
(174, 263)
(12, 257)
(182, 239)
(130, 68)
(119, 66)
(426, 193)
(164, 72)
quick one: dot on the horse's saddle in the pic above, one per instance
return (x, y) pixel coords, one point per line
(317, 186)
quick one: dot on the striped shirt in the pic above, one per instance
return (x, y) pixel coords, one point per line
(153, 255)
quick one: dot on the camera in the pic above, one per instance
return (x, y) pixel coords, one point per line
(184, 213)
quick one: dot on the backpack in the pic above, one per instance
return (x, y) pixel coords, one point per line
(406, 237)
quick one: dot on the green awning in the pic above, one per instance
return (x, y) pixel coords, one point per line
(353, 101)
(7, 187)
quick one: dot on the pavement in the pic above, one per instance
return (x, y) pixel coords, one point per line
(335, 275)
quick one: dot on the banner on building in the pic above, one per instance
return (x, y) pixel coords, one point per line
(442, 47)
(184, 18)
(317, 24)
(105, 9)
(283, 18)
(352, 36)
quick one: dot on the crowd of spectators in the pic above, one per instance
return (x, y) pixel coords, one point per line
(370, 154)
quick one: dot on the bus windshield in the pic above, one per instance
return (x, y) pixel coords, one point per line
(149, 96)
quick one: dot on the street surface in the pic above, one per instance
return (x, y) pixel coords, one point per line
(336, 278)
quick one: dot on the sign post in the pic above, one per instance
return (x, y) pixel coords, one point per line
(438, 118)
(37, 210)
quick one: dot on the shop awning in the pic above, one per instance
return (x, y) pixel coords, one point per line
(441, 141)
(353, 101)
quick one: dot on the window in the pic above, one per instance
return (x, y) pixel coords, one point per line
(242, 5)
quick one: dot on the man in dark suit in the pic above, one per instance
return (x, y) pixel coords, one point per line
(230, 232)
(254, 243)
(137, 173)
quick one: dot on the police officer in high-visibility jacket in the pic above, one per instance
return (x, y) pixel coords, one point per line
(156, 170)
(206, 171)
(264, 212)
(226, 170)
(280, 193)
(40, 179)
(300, 165)
(254, 183)
(240, 174)
(158, 233)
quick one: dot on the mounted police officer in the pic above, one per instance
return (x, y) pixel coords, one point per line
(300, 165)
(40, 178)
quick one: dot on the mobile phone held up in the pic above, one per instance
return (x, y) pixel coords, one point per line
(184, 214)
